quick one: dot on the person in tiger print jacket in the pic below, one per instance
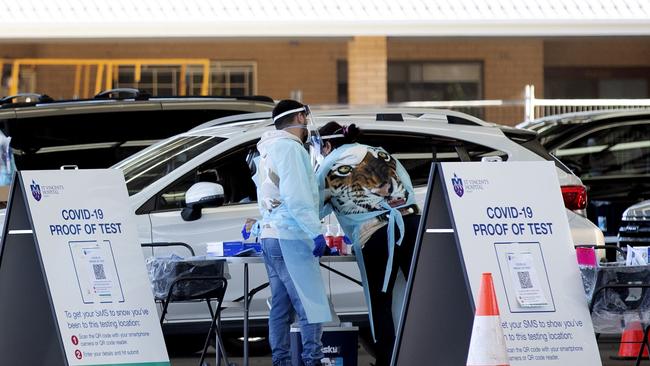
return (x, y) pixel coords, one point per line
(372, 196)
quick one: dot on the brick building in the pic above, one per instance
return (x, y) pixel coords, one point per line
(332, 52)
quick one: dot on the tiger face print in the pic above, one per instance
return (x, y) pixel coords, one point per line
(362, 179)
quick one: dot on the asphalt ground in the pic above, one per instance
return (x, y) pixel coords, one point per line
(608, 346)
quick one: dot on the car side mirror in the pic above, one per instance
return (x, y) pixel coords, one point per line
(200, 195)
(492, 159)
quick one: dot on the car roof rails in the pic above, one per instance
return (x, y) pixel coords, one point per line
(392, 117)
(21, 99)
(257, 98)
(253, 98)
(123, 93)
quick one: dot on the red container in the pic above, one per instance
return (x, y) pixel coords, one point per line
(337, 241)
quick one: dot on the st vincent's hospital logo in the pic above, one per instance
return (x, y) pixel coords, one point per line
(41, 191)
(36, 191)
(469, 185)
(457, 182)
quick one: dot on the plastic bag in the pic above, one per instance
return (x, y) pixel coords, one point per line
(614, 308)
(163, 271)
(589, 275)
(588, 264)
(7, 165)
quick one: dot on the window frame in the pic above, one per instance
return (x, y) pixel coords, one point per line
(591, 74)
(152, 202)
(218, 66)
(596, 129)
(408, 63)
(459, 146)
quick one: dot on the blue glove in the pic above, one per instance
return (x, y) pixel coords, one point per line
(331, 251)
(319, 246)
(347, 240)
(244, 233)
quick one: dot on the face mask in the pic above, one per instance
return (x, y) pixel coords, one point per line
(296, 126)
(302, 127)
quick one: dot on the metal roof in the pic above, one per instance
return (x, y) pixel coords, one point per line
(82, 19)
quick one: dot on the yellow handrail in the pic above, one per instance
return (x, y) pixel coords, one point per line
(110, 65)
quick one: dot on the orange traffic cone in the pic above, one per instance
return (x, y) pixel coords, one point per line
(631, 340)
(487, 346)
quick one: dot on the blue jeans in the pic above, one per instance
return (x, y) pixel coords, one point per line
(284, 304)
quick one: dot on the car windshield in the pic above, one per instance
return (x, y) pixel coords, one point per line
(163, 159)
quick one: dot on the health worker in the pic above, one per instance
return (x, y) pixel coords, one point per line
(372, 197)
(291, 234)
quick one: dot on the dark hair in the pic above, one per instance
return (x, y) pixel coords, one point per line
(350, 133)
(283, 106)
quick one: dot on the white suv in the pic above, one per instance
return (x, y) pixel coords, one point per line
(158, 178)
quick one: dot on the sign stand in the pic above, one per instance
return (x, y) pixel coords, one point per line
(508, 220)
(24, 291)
(439, 310)
(73, 286)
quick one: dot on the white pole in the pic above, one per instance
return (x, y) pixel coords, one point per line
(529, 102)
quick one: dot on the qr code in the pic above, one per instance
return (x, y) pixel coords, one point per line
(524, 279)
(99, 271)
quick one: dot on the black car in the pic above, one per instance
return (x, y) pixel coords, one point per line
(610, 152)
(98, 132)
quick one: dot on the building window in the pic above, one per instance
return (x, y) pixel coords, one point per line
(157, 80)
(26, 80)
(226, 79)
(342, 81)
(5, 78)
(430, 81)
(591, 83)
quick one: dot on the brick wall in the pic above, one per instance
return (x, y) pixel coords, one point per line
(282, 66)
(508, 65)
(367, 72)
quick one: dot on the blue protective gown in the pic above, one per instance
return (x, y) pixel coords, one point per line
(342, 161)
(289, 201)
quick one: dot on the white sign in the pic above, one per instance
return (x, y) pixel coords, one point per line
(94, 267)
(511, 221)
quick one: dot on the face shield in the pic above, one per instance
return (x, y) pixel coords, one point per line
(318, 154)
(314, 142)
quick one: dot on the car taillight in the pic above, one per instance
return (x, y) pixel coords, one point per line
(575, 197)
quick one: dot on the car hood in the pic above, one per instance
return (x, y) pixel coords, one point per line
(640, 211)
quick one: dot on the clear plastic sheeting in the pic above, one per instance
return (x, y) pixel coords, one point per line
(613, 308)
(163, 271)
(7, 165)
(588, 274)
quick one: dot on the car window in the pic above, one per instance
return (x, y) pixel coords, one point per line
(232, 170)
(164, 159)
(612, 150)
(103, 139)
(417, 152)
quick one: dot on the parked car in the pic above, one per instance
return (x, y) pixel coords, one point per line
(610, 152)
(99, 132)
(635, 225)
(158, 177)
